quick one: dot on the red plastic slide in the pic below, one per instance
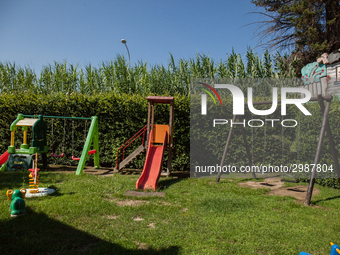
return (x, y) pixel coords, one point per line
(152, 166)
(3, 158)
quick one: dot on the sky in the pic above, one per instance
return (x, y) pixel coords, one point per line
(36, 33)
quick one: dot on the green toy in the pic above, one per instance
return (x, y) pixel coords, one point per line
(17, 206)
(21, 158)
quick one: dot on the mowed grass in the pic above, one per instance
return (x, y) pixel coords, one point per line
(87, 215)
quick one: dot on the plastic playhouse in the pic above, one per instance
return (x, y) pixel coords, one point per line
(21, 158)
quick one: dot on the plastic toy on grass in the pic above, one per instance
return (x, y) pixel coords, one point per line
(21, 158)
(17, 206)
(34, 190)
(335, 250)
(3, 160)
(34, 176)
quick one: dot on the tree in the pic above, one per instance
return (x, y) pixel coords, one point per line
(306, 27)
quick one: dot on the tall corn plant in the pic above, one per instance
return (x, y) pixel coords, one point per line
(59, 78)
(16, 79)
(116, 76)
(284, 67)
(179, 75)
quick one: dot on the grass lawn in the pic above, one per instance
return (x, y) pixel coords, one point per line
(89, 214)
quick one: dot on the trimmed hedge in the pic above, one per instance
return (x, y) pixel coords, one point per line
(300, 143)
(120, 116)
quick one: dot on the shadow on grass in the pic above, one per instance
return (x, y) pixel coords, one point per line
(164, 184)
(15, 179)
(56, 193)
(36, 233)
(326, 199)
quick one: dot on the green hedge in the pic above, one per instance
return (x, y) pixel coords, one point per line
(300, 143)
(120, 116)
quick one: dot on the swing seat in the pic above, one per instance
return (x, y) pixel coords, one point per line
(74, 158)
(90, 152)
(57, 156)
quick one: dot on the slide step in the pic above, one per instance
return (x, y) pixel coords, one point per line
(132, 156)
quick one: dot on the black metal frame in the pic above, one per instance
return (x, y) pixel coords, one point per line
(325, 128)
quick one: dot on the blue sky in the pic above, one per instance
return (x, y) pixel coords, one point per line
(36, 33)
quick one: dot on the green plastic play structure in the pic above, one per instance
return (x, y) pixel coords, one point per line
(21, 158)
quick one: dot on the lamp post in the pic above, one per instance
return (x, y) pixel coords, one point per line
(124, 42)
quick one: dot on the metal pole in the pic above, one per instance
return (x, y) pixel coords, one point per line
(247, 150)
(124, 42)
(317, 155)
(225, 151)
(58, 117)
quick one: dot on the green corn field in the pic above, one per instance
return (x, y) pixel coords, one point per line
(116, 76)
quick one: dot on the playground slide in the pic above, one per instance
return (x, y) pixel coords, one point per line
(152, 166)
(3, 158)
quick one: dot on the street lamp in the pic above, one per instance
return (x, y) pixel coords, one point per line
(124, 42)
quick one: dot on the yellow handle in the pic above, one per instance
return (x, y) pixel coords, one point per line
(336, 248)
(9, 194)
(23, 193)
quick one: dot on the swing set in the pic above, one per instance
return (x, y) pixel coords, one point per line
(325, 128)
(64, 135)
(92, 136)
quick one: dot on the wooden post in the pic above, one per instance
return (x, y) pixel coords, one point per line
(171, 123)
(152, 115)
(148, 126)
